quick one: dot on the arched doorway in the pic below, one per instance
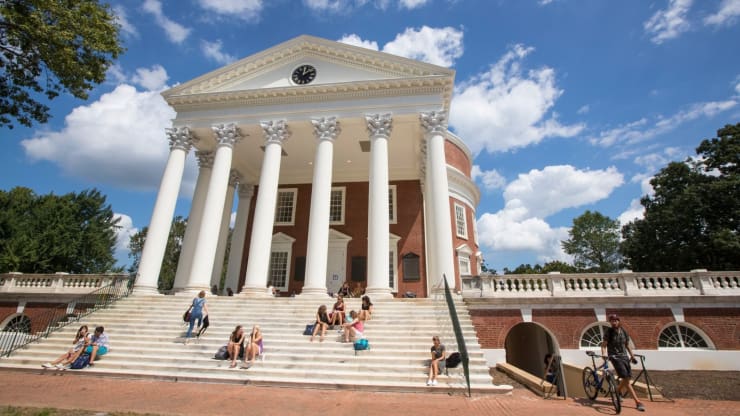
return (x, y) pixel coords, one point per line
(526, 345)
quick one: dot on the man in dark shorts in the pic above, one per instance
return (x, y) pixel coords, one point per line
(617, 344)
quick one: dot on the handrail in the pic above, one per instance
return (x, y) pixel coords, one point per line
(42, 323)
(462, 348)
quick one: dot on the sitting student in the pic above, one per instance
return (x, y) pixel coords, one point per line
(337, 311)
(235, 345)
(254, 346)
(437, 363)
(354, 330)
(322, 323)
(344, 290)
(82, 338)
(367, 308)
(357, 291)
(99, 345)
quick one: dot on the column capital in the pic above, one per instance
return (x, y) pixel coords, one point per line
(276, 131)
(234, 178)
(379, 124)
(205, 158)
(227, 134)
(246, 190)
(326, 128)
(180, 138)
(434, 122)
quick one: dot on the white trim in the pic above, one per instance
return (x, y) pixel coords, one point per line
(678, 325)
(464, 233)
(393, 196)
(343, 189)
(294, 191)
(283, 243)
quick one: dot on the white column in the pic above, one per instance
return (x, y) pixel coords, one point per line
(435, 126)
(223, 234)
(237, 237)
(431, 264)
(326, 131)
(164, 208)
(205, 251)
(205, 161)
(258, 263)
(379, 126)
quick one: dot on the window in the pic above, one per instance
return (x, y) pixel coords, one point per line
(464, 266)
(461, 224)
(411, 271)
(392, 204)
(681, 336)
(278, 270)
(336, 206)
(593, 336)
(463, 259)
(285, 207)
(20, 323)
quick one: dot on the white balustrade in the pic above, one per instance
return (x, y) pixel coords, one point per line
(60, 283)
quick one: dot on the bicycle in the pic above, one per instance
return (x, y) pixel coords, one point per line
(593, 384)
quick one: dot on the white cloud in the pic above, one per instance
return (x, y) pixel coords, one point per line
(118, 140)
(176, 32)
(634, 212)
(124, 232)
(213, 50)
(584, 109)
(737, 84)
(728, 11)
(126, 27)
(355, 40)
(490, 179)
(232, 219)
(248, 10)
(506, 108)
(534, 196)
(154, 79)
(332, 5)
(435, 46)
(412, 4)
(669, 23)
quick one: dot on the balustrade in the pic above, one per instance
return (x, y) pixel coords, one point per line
(61, 283)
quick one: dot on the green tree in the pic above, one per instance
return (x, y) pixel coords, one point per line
(73, 233)
(171, 254)
(559, 266)
(594, 243)
(693, 219)
(49, 47)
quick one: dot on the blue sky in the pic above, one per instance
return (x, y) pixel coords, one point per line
(567, 105)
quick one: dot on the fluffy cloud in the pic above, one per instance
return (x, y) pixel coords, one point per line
(248, 10)
(728, 11)
(355, 40)
(436, 46)
(506, 108)
(213, 50)
(118, 140)
(176, 32)
(127, 28)
(154, 79)
(412, 4)
(490, 179)
(534, 196)
(669, 23)
(124, 232)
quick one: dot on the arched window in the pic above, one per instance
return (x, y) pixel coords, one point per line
(593, 335)
(679, 335)
(20, 323)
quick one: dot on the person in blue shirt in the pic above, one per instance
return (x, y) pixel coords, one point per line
(197, 309)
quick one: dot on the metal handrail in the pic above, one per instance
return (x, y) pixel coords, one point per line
(40, 324)
(462, 348)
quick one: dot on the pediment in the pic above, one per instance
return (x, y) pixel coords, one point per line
(336, 64)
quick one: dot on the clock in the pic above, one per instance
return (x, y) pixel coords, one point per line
(303, 74)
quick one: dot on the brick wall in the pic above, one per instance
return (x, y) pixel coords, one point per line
(7, 309)
(566, 325)
(457, 157)
(644, 325)
(719, 324)
(492, 326)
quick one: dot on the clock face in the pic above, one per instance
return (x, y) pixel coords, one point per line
(303, 74)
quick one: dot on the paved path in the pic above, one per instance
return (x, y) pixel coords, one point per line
(77, 391)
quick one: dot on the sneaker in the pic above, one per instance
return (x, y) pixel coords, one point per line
(434, 382)
(429, 382)
(47, 365)
(60, 366)
(640, 407)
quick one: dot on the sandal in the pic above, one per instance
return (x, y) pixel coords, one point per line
(232, 365)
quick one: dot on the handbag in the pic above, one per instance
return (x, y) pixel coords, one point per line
(186, 316)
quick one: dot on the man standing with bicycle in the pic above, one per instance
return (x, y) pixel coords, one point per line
(616, 344)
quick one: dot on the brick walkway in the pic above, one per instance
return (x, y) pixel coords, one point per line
(77, 391)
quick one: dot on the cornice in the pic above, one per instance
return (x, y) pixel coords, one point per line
(464, 185)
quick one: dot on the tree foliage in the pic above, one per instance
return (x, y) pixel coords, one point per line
(553, 266)
(49, 47)
(73, 233)
(171, 254)
(693, 219)
(594, 243)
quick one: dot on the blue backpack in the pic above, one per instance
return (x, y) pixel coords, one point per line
(81, 362)
(361, 344)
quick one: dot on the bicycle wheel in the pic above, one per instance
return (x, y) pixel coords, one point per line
(590, 386)
(614, 393)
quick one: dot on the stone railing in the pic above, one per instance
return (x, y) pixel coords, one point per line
(58, 283)
(698, 283)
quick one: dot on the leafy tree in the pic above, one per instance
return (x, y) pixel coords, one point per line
(73, 233)
(51, 47)
(552, 266)
(693, 220)
(594, 243)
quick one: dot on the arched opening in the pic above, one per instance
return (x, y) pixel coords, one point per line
(527, 344)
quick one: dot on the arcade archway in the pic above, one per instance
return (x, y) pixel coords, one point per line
(526, 345)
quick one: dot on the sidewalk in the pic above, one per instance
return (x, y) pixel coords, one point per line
(69, 390)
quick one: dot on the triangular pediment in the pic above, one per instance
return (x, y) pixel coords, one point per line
(336, 65)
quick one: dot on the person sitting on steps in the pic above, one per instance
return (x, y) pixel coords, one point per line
(354, 329)
(99, 345)
(367, 308)
(344, 290)
(337, 312)
(437, 362)
(236, 344)
(82, 339)
(254, 346)
(322, 323)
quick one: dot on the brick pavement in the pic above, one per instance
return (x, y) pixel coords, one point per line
(78, 391)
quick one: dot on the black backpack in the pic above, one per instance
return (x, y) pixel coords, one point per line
(453, 360)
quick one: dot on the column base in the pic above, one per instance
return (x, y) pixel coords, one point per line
(255, 292)
(314, 293)
(379, 293)
(145, 291)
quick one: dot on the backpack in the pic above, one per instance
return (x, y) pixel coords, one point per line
(222, 353)
(362, 344)
(309, 329)
(81, 362)
(453, 360)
